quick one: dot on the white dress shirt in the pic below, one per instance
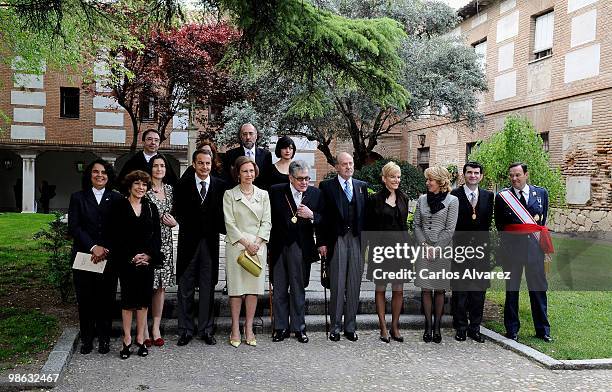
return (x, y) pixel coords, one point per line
(148, 157)
(198, 181)
(297, 195)
(98, 193)
(468, 193)
(251, 151)
(525, 193)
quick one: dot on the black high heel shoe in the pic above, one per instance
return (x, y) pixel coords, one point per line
(385, 339)
(437, 337)
(397, 338)
(125, 351)
(427, 336)
(142, 350)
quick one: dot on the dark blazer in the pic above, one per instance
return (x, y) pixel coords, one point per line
(198, 220)
(524, 247)
(375, 205)
(263, 159)
(284, 232)
(473, 232)
(484, 211)
(333, 223)
(87, 220)
(130, 236)
(138, 162)
(537, 204)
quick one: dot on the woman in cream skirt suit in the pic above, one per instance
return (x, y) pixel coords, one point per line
(248, 222)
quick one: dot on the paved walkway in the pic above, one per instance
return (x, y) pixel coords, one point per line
(368, 364)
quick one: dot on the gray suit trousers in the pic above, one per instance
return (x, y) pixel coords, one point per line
(199, 272)
(289, 294)
(346, 269)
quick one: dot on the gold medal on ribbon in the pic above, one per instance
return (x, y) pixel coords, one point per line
(293, 219)
(473, 216)
(536, 217)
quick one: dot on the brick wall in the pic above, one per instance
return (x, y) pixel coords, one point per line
(557, 93)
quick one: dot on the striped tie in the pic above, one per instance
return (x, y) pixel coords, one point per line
(348, 190)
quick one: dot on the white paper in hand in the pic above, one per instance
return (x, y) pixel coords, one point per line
(82, 261)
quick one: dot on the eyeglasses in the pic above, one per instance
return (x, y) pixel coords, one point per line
(150, 139)
(300, 179)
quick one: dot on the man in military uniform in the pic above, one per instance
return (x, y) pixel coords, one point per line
(523, 209)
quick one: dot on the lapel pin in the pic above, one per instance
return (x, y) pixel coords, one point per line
(534, 193)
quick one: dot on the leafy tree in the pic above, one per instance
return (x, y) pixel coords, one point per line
(519, 142)
(174, 68)
(440, 73)
(412, 182)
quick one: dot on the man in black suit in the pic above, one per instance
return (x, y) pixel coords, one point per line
(199, 211)
(142, 159)
(296, 209)
(344, 215)
(473, 225)
(262, 157)
(88, 218)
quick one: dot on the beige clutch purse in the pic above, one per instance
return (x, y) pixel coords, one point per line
(250, 263)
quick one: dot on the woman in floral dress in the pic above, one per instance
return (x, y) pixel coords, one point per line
(161, 195)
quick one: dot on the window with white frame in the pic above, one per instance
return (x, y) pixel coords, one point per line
(480, 48)
(543, 37)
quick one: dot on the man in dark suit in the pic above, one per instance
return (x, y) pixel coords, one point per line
(142, 159)
(296, 209)
(199, 211)
(262, 157)
(523, 203)
(473, 225)
(88, 218)
(344, 215)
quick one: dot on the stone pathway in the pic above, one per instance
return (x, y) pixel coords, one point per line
(368, 364)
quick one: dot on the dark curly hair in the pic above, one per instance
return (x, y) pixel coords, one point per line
(86, 179)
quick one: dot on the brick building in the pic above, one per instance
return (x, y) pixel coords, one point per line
(551, 61)
(55, 128)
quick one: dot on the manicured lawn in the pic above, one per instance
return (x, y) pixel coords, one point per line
(581, 323)
(24, 333)
(24, 330)
(580, 316)
(21, 259)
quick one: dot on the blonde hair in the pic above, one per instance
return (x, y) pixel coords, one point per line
(390, 168)
(440, 175)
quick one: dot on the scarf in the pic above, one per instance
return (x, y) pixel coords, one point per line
(434, 201)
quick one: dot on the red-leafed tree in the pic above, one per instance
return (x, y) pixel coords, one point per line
(172, 69)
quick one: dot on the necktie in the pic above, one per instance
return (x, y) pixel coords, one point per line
(249, 154)
(348, 190)
(473, 199)
(203, 190)
(522, 199)
(297, 197)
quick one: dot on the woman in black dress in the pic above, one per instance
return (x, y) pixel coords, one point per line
(88, 216)
(387, 210)
(135, 250)
(285, 151)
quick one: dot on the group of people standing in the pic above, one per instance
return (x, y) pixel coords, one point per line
(271, 214)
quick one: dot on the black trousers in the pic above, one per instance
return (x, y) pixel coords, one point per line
(199, 272)
(468, 306)
(95, 294)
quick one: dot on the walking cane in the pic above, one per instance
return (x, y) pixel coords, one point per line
(270, 295)
(325, 284)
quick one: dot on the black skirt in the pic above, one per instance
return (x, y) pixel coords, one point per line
(136, 286)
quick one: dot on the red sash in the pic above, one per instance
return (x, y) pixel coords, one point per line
(529, 225)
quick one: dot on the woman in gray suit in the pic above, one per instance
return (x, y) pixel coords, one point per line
(434, 225)
(248, 222)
